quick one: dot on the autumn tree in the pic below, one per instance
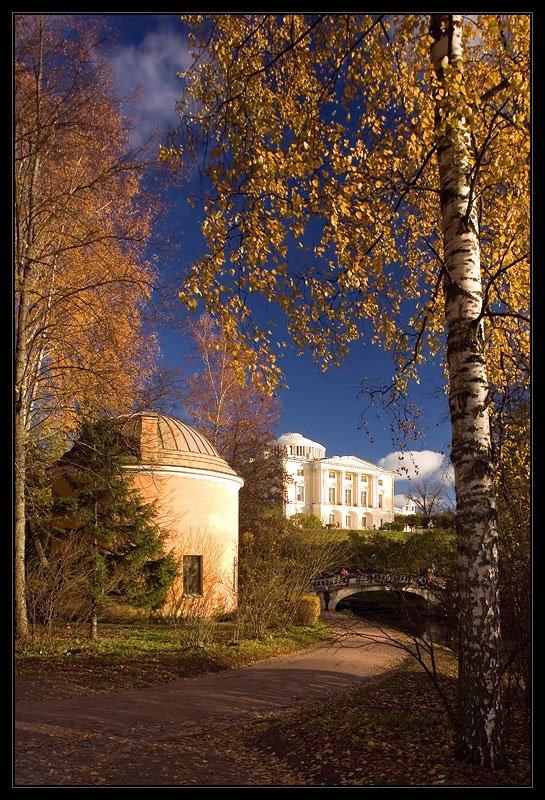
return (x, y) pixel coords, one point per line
(236, 416)
(121, 540)
(369, 175)
(81, 225)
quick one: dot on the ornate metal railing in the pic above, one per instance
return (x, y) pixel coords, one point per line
(383, 578)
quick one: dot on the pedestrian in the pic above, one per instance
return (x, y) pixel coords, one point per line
(344, 574)
(327, 598)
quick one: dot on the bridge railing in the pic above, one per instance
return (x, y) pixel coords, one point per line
(336, 582)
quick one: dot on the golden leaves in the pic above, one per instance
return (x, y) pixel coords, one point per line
(325, 134)
(82, 223)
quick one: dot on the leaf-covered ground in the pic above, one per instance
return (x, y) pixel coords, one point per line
(393, 732)
(390, 732)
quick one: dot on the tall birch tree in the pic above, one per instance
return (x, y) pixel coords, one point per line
(81, 279)
(369, 175)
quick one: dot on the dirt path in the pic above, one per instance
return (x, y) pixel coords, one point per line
(177, 733)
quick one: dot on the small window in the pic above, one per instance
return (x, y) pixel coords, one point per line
(193, 575)
(348, 477)
(380, 481)
(332, 495)
(300, 472)
(333, 476)
(300, 493)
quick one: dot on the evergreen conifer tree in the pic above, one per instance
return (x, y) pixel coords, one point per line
(126, 561)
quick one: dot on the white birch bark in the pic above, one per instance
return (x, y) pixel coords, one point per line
(480, 732)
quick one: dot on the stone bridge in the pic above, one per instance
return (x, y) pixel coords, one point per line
(376, 582)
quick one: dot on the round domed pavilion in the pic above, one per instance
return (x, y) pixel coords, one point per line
(196, 496)
(196, 492)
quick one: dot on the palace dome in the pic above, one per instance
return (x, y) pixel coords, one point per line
(297, 444)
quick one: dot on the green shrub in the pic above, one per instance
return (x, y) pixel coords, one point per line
(308, 610)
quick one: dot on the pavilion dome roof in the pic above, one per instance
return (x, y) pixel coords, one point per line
(167, 441)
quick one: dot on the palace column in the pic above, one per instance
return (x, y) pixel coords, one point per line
(342, 490)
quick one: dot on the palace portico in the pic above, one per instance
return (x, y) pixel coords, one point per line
(342, 491)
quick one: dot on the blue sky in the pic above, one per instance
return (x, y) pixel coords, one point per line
(327, 408)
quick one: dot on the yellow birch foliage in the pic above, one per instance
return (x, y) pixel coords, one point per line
(318, 139)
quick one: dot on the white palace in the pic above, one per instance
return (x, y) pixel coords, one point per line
(343, 491)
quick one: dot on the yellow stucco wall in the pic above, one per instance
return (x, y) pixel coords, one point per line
(198, 511)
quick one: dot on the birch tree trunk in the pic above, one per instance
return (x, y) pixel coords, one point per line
(25, 227)
(19, 447)
(480, 729)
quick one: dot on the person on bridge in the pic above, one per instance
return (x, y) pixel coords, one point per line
(344, 574)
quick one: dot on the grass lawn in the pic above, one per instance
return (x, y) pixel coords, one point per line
(66, 663)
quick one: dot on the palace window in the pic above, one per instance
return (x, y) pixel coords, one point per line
(300, 472)
(363, 524)
(348, 477)
(380, 481)
(332, 519)
(381, 500)
(333, 476)
(332, 495)
(192, 575)
(348, 497)
(364, 500)
(348, 521)
(300, 493)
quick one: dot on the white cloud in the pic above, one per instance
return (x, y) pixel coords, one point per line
(414, 463)
(151, 67)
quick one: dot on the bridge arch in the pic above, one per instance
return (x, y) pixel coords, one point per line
(340, 589)
(347, 591)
